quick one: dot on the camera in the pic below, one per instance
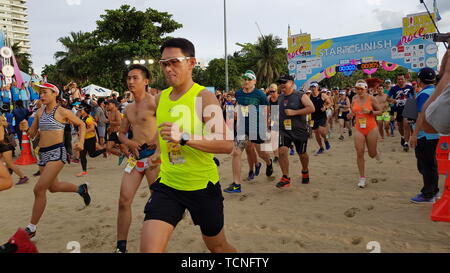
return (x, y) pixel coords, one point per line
(441, 37)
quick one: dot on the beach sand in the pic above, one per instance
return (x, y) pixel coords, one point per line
(329, 215)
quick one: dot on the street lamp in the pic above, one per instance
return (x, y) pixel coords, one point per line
(136, 62)
(151, 61)
(127, 62)
(142, 62)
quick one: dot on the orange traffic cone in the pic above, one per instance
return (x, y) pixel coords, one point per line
(26, 158)
(443, 154)
(441, 209)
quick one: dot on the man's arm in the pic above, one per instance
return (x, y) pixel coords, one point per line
(219, 144)
(444, 73)
(124, 128)
(309, 108)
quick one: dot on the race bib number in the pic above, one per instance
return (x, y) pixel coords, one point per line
(287, 124)
(340, 113)
(175, 155)
(311, 123)
(363, 123)
(244, 110)
(131, 163)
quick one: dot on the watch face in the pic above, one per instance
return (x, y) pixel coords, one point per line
(185, 136)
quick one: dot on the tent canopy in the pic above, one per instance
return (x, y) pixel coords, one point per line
(97, 91)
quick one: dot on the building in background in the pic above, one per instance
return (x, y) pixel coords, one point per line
(14, 22)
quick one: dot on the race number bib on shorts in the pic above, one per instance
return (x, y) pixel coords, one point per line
(244, 110)
(287, 124)
(362, 123)
(340, 113)
(131, 163)
(175, 155)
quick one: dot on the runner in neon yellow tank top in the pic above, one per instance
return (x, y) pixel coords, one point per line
(189, 177)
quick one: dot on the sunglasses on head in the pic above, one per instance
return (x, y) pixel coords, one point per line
(172, 61)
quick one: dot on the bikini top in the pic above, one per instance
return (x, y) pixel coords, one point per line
(357, 108)
(47, 122)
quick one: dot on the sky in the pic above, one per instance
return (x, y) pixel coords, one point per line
(203, 22)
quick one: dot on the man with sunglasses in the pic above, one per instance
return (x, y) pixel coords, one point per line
(293, 107)
(189, 178)
(139, 117)
(252, 122)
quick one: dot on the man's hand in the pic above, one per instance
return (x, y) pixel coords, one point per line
(289, 112)
(365, 111)
(133, 147)
(170, 132)
(23, 126)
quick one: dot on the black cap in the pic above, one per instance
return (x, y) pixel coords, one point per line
(427, 75)
(285, 78)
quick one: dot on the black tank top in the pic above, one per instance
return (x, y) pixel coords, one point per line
(318, 104)
(299, 127)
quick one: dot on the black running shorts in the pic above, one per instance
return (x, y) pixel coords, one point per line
(205, 206)
(300, 145)
(322, 122)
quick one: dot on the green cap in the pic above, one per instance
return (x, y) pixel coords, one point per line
(249, 74)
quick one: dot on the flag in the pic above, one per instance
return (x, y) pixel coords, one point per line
(289, 31)
(436, 11)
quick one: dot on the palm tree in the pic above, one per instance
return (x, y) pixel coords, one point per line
(23, 58)
(75, 46)
(269, 59)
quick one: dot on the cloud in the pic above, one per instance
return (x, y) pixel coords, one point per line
(388, 19)
(73, 2)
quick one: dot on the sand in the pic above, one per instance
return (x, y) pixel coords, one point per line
(329, 215)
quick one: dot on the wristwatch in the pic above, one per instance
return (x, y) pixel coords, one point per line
(184, 139)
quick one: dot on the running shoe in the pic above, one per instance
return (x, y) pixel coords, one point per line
(81, 174)
(251, 175)
(38, 173)
(121, 158)
(233, 188)
(75, 161)
(22, 180)
(402, 142)
(320, 151)
(269, 168)
(258, 168)
(305, 177)
(406, 148)
(419, 199)
(119, 251)
(284, 182)
(327, 145)
(275, 160)
(362, 182)
(30, 233)
(83, 192)
(350, 133)
(341, 138)
(292, 152)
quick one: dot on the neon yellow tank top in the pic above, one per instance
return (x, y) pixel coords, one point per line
(199, 167)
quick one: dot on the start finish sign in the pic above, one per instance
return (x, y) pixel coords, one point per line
(353, 67)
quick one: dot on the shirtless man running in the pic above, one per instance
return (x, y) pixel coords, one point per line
(140, 117)
(115, 120)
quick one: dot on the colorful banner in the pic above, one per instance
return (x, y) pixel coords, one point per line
(367, 52)
(416, 26)
(299, 45)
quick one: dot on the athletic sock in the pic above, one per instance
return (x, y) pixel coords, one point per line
(122, 246)
(32, 227)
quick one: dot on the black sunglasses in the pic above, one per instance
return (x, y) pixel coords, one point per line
(272, 91)
(282, 81)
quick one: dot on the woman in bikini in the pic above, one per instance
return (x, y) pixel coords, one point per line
(365, 108)
(49, 124)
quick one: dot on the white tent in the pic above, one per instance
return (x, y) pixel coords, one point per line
(97, 91)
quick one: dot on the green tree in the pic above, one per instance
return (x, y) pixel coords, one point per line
(122, 34)
(23, 58)
(269, 59)
(215, 74)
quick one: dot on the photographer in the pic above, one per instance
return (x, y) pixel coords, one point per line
(437, 107)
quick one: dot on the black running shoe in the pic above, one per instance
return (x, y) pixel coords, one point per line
(30, 233)
(269, 168)
(83, 192)
(283, 183)
(305, 177)
(402, 142)
(258, 168)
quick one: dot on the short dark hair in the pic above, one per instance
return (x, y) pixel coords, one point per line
(100, 101)
(401, 75)
(143, 69)
(185, 45)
